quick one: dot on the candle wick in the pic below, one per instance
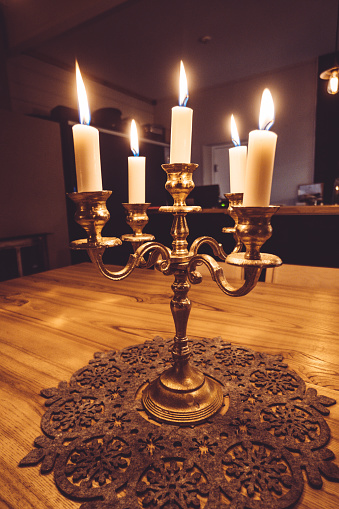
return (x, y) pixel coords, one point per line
(268, 125)
(183, 100)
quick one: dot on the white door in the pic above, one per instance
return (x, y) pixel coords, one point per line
(220, 168)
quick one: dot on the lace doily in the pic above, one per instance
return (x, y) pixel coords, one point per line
(107, 454)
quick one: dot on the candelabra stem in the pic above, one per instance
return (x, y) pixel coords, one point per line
(180, 308)
(179, 232)
(182, 394)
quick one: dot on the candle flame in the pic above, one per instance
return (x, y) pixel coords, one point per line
(234, 132)
(183, 88)
(266, 116)
(84, 113)
(134, 138)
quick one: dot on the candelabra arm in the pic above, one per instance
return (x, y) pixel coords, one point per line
(160, 256)
(252, 275)
(237, 247)
(217, 248)
(155, 248)
(234, 199)
(96, 258)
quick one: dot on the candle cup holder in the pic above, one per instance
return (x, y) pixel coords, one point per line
(253, 230)
(179, 184)
(92, 215)
(182, 394)
(137, 218)
(234, 199)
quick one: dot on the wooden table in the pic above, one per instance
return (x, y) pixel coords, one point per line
(53, 322)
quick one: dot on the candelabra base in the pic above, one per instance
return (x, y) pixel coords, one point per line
(182, 395)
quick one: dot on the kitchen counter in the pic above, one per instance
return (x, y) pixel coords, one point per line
(302, 235)
(293, 210)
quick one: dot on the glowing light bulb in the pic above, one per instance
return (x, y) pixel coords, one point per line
(333, 84)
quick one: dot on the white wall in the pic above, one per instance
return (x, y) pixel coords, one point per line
(294, 93)
(36, 88)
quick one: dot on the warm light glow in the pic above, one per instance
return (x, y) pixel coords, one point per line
(84, 113)
(183, 88)
(266, 116)
(333, 84)
(234, 132)
(134, 138)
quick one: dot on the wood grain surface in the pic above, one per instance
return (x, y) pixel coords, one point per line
(53, 322)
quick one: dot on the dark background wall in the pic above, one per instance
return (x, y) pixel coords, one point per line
(326, 163)
(32, 191)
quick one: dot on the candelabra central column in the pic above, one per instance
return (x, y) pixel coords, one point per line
(180, 304)
(182, 394)
(181, 376)
(180, 307)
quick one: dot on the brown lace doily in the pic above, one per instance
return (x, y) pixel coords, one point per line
(107, 455)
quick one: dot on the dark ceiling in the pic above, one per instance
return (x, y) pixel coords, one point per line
(139, 44)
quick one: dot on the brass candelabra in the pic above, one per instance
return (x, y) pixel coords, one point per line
(182, 394)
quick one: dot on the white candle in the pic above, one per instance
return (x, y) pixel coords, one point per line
(86, 145)
(260, 161)
(181, 125)
(237, 158)
(136, 170)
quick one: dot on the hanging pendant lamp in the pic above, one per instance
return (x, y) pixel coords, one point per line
(332, 74)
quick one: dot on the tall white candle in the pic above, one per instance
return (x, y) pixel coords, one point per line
(237, 158)
(86, 145)
(261, 153)
(181, 124)
(136, 170)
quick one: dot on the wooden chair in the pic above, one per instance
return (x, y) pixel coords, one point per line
(305, 276)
